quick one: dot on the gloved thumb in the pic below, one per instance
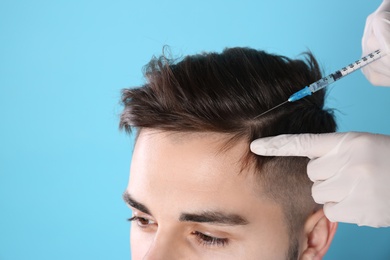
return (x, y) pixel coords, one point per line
(307, 145)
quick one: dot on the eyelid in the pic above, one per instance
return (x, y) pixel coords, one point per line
(137, 218)
(209, 240)
(144, 224)
(139, 214)
(216, 231)
(221, 235)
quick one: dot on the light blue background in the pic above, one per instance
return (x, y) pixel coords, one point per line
(63, 162)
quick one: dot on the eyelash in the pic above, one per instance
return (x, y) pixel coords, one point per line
(206, 240)
(139, 221)
(203, 239)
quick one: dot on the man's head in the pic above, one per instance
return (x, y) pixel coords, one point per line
(195, 188)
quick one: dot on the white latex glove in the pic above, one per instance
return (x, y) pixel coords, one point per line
(350, 171)
(377, 36)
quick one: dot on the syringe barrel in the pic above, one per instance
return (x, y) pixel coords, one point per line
(361, 63)
(322, 83)
(325, 81)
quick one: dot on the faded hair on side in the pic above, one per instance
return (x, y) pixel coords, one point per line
(223, 93)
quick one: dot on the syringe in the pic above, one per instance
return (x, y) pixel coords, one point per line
(326, 81)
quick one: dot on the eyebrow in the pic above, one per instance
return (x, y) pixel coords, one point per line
(135, 204)
(214, 217)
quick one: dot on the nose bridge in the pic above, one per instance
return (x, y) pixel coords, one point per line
(166, 245)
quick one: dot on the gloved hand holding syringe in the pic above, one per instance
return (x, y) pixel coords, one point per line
(326, 81)
(350, 171)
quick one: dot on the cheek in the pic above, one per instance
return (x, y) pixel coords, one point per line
(140, 243)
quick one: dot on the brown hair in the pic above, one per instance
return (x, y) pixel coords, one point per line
(224, 92)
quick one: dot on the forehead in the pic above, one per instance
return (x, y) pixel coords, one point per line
(189, 165)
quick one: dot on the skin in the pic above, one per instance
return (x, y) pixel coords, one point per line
(190, 201)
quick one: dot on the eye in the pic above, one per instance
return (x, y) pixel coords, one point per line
(207, 240)
(142, 222)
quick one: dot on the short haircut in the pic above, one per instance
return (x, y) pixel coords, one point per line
(223, 93)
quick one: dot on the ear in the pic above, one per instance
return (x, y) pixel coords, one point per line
(319, 233)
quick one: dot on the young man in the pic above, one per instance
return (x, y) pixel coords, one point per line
(195, 189)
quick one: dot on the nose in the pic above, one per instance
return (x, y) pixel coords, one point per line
(166, 246)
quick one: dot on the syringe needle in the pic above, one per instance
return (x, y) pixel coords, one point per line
(269, 110)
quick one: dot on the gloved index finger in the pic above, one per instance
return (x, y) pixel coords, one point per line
(307, 145)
